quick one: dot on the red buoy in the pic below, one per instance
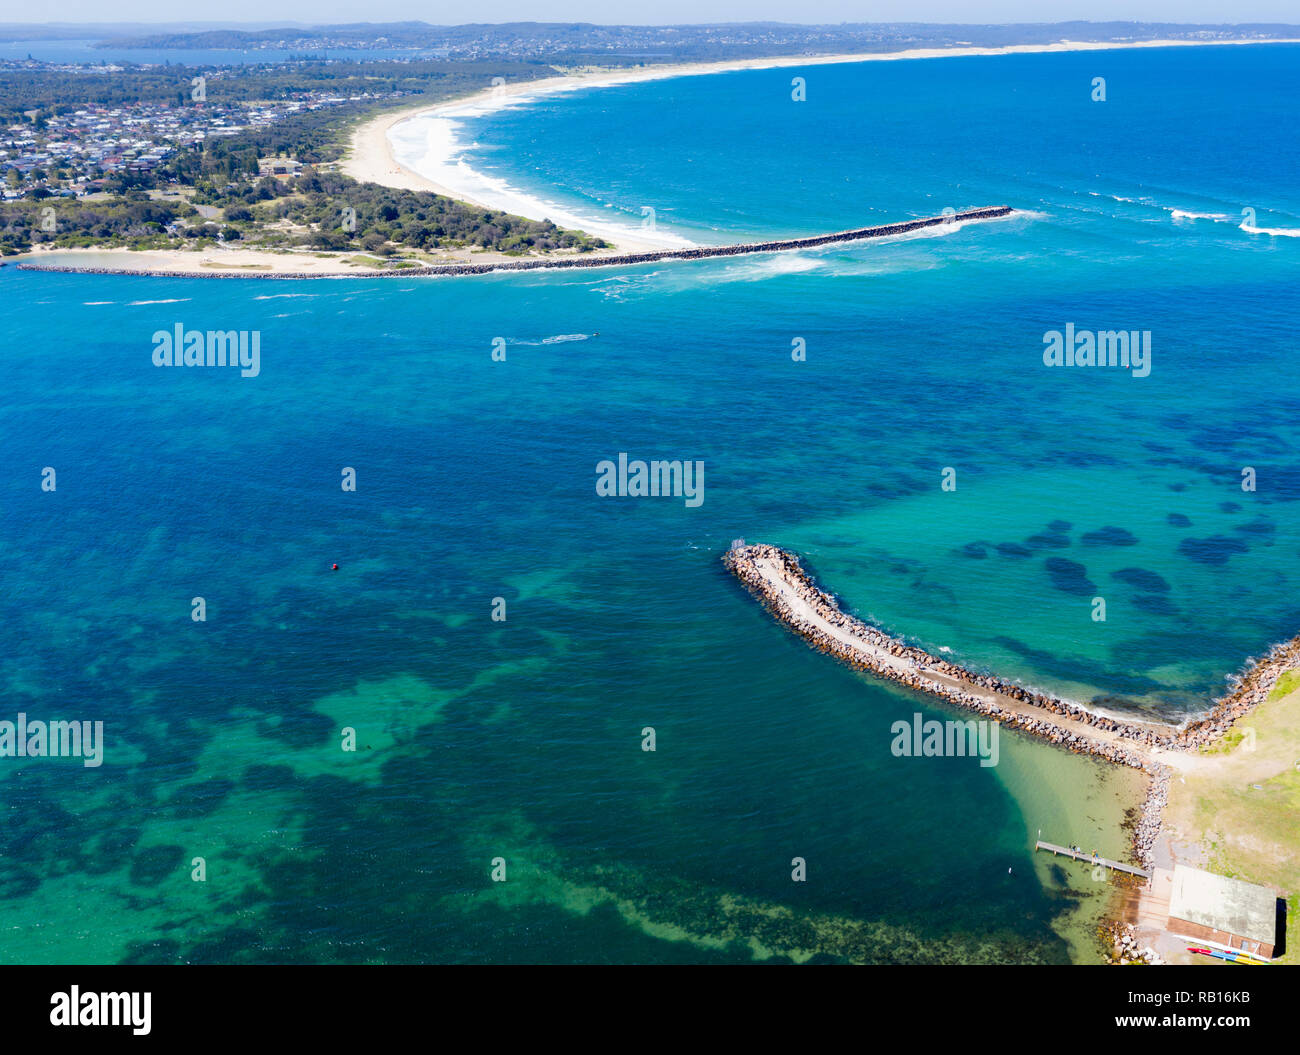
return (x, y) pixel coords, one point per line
(334, 568)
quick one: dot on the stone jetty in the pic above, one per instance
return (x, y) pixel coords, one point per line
(587, 260)
(778, 579)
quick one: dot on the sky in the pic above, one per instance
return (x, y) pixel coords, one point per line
(652, 12)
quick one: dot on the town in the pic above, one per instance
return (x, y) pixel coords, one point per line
(158, 156)
(78, 152)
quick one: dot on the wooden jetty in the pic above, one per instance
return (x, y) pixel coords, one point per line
(1091, 859)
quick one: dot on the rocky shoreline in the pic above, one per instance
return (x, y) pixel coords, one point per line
(918, 669)
(1125, 947)
(536, 264)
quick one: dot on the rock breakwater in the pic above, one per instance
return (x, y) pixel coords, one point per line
(545, 263)
(776, 576)
(779, 580)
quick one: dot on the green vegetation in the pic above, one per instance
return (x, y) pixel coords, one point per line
(357, 85)
(1240, 807)
(1225, 745)
(222, 173)
(133, 220)
(319, 210)
(1286, 684)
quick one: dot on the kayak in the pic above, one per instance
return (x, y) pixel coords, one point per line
(1230, 957)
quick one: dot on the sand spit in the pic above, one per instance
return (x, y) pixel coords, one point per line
(858, 234)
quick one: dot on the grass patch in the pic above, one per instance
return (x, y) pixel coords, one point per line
(1286, 684)
(1241, 803)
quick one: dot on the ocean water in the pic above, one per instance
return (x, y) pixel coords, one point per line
(521, 740)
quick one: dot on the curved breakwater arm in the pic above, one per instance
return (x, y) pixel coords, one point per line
(778, 579)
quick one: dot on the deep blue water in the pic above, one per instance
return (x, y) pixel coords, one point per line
(522, 739)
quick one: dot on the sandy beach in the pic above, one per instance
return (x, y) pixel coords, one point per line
(371, 157)
(230, 262)
(251, 262)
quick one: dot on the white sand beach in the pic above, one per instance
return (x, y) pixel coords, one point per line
(252, 262)
(371, 157)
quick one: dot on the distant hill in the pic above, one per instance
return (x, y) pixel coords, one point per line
(578, 40)
(103, 30)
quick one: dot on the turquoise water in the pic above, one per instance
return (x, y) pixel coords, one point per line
(475, 480)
